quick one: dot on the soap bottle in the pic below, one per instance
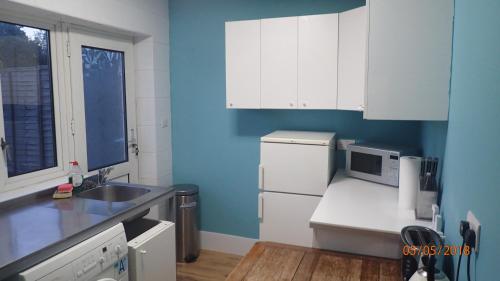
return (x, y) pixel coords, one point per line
(75, 174)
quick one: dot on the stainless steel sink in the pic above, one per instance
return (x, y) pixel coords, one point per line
(114, 193)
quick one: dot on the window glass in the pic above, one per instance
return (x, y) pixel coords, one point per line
(27, 99)
(366, 163)
(105, 109)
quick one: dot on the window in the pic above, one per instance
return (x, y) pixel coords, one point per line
(103, 97)
(105, 108)
(63, 97)
(29, 137)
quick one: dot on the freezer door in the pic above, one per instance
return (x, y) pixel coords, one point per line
(152, 254)
(285, 218)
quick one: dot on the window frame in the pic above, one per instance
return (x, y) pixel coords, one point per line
(61, 106)
(84, 120)
(114, 42)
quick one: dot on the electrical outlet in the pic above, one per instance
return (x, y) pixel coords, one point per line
(476, 226)
(343, 143)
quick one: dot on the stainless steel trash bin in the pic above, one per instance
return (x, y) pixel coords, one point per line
(186, 223)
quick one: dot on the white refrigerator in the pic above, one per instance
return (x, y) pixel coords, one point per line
(294, 172)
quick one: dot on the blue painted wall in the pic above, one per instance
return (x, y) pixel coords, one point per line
(218, 149)
(471, 170)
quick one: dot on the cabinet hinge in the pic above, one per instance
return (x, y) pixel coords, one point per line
(72, 126)
(68, 49)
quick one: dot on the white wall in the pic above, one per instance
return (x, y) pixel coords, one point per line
(147, 21)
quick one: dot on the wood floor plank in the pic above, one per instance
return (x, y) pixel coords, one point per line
(306, 267)
(247, 263)
(390, 271)
(273, 261)
(370, 270)
(276, 264)
(210, 266)
(336, 268)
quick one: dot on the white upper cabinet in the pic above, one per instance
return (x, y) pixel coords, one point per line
(317, 61)
(243, 64)
(390, 59)
(353, 35)
(409, 59)
(279, 63)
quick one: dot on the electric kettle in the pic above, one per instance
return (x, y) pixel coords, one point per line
(422, 275)
(424, 238)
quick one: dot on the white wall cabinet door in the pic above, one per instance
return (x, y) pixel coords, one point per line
(353, 34)
(279, 63)
(243, 64)
(409, 59)
(285, 218)
(317, 61)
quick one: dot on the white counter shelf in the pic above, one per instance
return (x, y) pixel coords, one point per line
(363, 212)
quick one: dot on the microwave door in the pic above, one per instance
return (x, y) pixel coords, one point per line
(366, 163)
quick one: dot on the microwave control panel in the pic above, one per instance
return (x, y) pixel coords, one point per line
(393, 167)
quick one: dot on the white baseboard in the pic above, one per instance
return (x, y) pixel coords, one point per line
(225, 243)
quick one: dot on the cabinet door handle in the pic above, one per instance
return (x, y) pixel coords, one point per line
(261, 207)
(261, 176)
(143, 268)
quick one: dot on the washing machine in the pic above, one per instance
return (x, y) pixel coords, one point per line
(100, 258)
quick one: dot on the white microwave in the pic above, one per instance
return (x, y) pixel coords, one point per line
(375, 163)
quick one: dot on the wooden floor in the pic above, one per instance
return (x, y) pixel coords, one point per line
(271, 261)
(210, 266)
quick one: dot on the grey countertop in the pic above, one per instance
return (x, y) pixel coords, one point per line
(36, 227)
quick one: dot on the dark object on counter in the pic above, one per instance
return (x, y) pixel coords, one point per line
(428, 192)
(421, 238)
(186, 224)
(428, 173)
(88, 183)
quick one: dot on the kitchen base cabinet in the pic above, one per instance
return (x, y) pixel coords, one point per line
(356, 241)
(284, 218)
(151, 250)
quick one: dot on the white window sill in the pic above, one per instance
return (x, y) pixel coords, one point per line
(19, 192)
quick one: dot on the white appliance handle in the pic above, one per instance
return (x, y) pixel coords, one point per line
(143, 253)
(261, 176)
(261, 207)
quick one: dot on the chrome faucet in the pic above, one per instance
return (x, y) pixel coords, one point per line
(102, 177)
